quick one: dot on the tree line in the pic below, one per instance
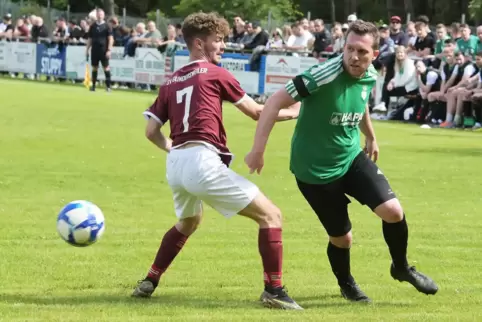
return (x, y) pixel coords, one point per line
(446, 11)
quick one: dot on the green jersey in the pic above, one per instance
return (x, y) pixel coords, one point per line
(468, 47)
(439, 46)
(326, 138)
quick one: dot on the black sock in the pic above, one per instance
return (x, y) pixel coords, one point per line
(340, 263)
(94, 78)
(107, 78)
(396, 237)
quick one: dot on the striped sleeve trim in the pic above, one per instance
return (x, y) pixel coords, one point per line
(322, 74)
(291, 89)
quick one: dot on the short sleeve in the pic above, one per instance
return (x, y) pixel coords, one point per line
(159, 109)
(443, 76)
(469, 70)
(314, 78)
(110, 32)
(431, 78)
(231, 90)
(90, 32)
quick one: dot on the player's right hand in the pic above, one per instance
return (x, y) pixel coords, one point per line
(254, 161)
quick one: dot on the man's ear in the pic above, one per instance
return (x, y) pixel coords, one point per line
(375, 54)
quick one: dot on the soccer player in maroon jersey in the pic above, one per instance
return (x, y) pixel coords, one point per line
(198, 159)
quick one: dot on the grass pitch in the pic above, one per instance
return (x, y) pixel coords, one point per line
(61, 143)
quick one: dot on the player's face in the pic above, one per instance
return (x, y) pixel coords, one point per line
(213, 48)
(441, 33)
(466, 33)
(449, 57)
(358, 53)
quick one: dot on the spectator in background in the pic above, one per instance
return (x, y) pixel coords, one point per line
(276, 40)
(239, 29)
(468, 43)
(321, 38)
(442, 36)
(411, 35)
(21, 30)
(29, 21)
(425, 43)
(351, 18)
(338, 38)
(396, 33)
(61, 32)
(39, 30)
(286, 33)
(75, 32)
(425, 22)
(404, 81)
(387, 45)
(455, 32)
(312, 28)
(249, 34)
(299, 39)
(260, 38)
(170, 38)
(7, 27)
(116, 31)
(180, 36)
(151, 37)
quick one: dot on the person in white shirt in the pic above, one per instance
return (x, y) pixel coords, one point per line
(299, 39)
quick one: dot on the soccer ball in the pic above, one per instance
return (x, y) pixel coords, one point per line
(80, 223)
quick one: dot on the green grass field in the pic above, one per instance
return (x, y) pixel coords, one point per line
(61, 143)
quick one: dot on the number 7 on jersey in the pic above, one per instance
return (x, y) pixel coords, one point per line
(187, 104)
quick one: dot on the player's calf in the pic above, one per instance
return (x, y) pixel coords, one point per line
(171, 246)
(270, 244)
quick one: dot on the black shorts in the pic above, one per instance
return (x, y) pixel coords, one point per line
(364, 181)
(99, 56)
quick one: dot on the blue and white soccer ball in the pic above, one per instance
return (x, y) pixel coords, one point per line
(80, 223)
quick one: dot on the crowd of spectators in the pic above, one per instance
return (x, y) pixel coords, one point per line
(426, 76)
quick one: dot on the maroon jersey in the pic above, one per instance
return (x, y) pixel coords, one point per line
(191, 100)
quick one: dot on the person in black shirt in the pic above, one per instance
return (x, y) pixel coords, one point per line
(101, 41)
(425, 43)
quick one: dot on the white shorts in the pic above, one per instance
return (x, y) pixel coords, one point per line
(197, 174)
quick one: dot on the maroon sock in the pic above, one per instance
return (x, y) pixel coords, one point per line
(271, 249)
(171, 245)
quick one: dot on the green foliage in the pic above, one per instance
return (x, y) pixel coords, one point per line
(475, 9)
(152, 15)
(34, 9)
(249, 9)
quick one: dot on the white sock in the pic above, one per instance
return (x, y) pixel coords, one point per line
(458, 119)
(449, 117)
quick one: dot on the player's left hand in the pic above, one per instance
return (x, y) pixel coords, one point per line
(254, 161)
(371, 149)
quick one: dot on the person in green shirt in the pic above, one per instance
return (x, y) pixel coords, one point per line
(327, 159)
(468, 43)
(442, 36)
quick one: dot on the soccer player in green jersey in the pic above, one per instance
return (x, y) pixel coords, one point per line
(328, 162)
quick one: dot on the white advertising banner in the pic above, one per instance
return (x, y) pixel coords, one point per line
(4, 54)
(280, 69)
(149, 66)
(23, 58)
(122, 68)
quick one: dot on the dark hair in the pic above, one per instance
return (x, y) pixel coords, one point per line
(449, 41)
(464, 25)
(423, 18)
(420, 25)
(361, 28)
(479, 53)
(201, 25)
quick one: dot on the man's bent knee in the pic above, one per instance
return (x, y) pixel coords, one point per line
(390, 211)
(187, 226)
(342, 241)
(263, 211)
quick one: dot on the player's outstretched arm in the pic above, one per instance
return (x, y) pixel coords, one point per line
(278, 101)
(154, 134)
(366, 127)
(252, 109)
